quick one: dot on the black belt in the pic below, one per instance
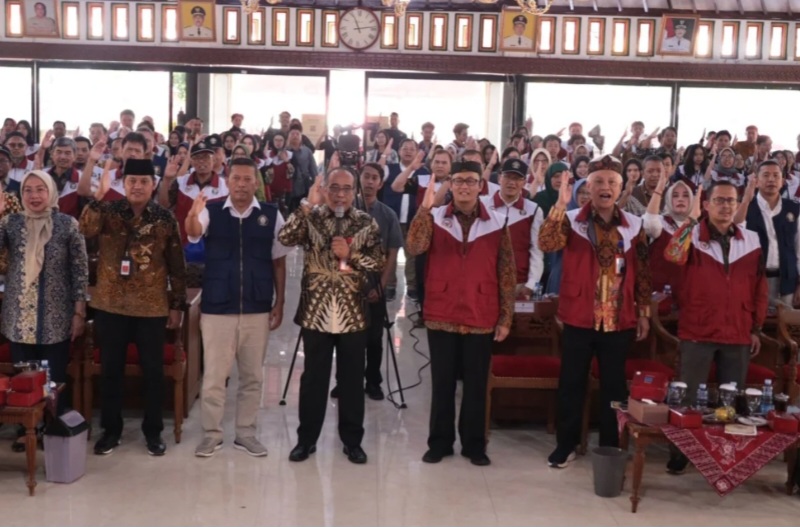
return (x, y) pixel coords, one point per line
(773, 273)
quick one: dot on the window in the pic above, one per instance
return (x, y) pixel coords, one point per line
(146, 23)
(13, 19)
(305, 27)
(231, 33)
(620, 37)
(257, 27)
(730, 40)
(18, 105)
(595, 39)
(119, 22)
(704, 40)
(752, 44)
(570, 35)
(414, 31)
(69, 18)
(280, 26)
(169, 23)
(797, 42)
(488, 34)
(777, 40)
(330, 29)
(438, 40)
(547, 34)
(95, 28)
(463, 33)
(389, 34)
(644, 39)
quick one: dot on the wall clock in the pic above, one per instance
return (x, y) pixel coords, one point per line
(359, 28)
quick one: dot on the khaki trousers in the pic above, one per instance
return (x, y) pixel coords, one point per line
(225, 338)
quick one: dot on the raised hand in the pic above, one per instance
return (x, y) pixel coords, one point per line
(417, 162)
(749, 190)
(561, 132)
(47, 142)
(315, 193)
(388, 150)
(694, 213)
(198, 205)
(104, 186)
(529, 124)
(171, 170)
(565, 193)
(471, 144)
(430, 195)
(77, 132)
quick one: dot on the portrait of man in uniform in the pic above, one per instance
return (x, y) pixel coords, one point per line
(677, 35)
(197, 20)
(518, 31)
(41, 18)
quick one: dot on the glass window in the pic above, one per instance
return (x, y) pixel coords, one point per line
(722, 107)
(730, 39)
(777, 41)
(488, 34)
(19, 106)
(147, 93)
(621, 106)
(704, 39)
(546, 35)
(752, 46)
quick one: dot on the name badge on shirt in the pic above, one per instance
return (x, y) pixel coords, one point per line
(619, 265)
(125, 267)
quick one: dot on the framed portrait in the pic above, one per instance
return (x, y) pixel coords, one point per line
(678, 34)
(518, 30)
(197, 21)
(40, 18)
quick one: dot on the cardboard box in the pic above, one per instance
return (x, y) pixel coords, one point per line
(685, 418)
(29, 381)
(24, 398)
(649, 414)
(649, 385)
(783, 423)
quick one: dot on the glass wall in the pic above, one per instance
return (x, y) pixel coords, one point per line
(735, 109)
(16, 100)
(261, 98)
(442, 102)
(80, 97)
(553, 106)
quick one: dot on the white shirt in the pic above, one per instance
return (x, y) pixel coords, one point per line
(278, 250)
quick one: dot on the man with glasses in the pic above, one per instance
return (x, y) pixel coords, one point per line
(341, 248)
(66, 176)
(723, 297)
(604, 299)
(469, 303)
(133, 146)
(20, 164)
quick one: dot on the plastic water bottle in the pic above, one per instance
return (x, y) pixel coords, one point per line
(766, 397)
(537, 292)
(668, 291)
(46, 368)
(701, 402)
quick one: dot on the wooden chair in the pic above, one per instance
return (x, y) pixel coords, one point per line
(789, 335)
(174, 368)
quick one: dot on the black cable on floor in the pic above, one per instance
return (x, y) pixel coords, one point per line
(412, 317)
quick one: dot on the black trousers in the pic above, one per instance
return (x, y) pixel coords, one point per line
(450, 354)
(419, 269)
(580, 345)
(57, 357)
(377, 312)
(318, 348)
(115, 332)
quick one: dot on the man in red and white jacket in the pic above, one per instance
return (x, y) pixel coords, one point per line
(723, 295)
(523, 219)
(604, 299)
(469, 302)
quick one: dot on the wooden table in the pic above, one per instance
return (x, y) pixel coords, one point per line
(28, 417)
(644, 435)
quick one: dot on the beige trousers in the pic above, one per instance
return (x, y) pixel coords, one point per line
(225, 338)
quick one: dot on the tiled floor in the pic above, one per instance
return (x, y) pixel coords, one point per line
(394, 488)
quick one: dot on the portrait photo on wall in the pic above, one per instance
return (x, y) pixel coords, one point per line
(519, 30)
(197, 20)
(40, 18)
(677, 35)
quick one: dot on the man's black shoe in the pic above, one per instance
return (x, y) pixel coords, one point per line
(433, 456)
(677, 464)
(355, 454)
(301, 452)
(335, 392)
(412, 294)
(480, 460)
(156, 446)
(106, 444)
(374, 392)
(391, 294)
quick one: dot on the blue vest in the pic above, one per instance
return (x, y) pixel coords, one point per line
(238, 275)
(785, 231)
(395, 199)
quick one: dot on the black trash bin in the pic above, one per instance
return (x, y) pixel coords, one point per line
(608, 466)
(65, 440)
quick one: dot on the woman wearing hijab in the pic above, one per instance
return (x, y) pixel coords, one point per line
(660, 228)
(540, 161)
(44, 305)
(278, 169)
(723, 167)
(580, 197)
(553, 178)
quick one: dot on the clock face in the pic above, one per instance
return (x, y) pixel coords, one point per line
(359, 28)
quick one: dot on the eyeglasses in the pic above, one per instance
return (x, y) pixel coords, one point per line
(725, 201)
(336, 190)
(461, 182)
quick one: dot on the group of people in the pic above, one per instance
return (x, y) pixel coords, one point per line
(480, 226)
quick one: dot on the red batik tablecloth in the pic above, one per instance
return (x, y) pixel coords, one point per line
(725, 460)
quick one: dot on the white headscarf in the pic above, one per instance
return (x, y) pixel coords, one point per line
(668, 210)
(38, 227)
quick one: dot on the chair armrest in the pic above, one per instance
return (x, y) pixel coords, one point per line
(658, 328)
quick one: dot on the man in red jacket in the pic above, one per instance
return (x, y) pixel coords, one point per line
(604, 299)
(724, 295)
(469, 301)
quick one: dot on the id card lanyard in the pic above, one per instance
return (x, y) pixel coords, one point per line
(126, 264)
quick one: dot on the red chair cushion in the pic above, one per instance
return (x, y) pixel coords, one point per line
(5, 352)
(787, 372)
(532, 366)
(634, 365)
(756, 374)
(132, 355)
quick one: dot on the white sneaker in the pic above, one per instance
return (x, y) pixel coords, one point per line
(208, 447)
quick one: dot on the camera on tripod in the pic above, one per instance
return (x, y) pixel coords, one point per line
(349, 148)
